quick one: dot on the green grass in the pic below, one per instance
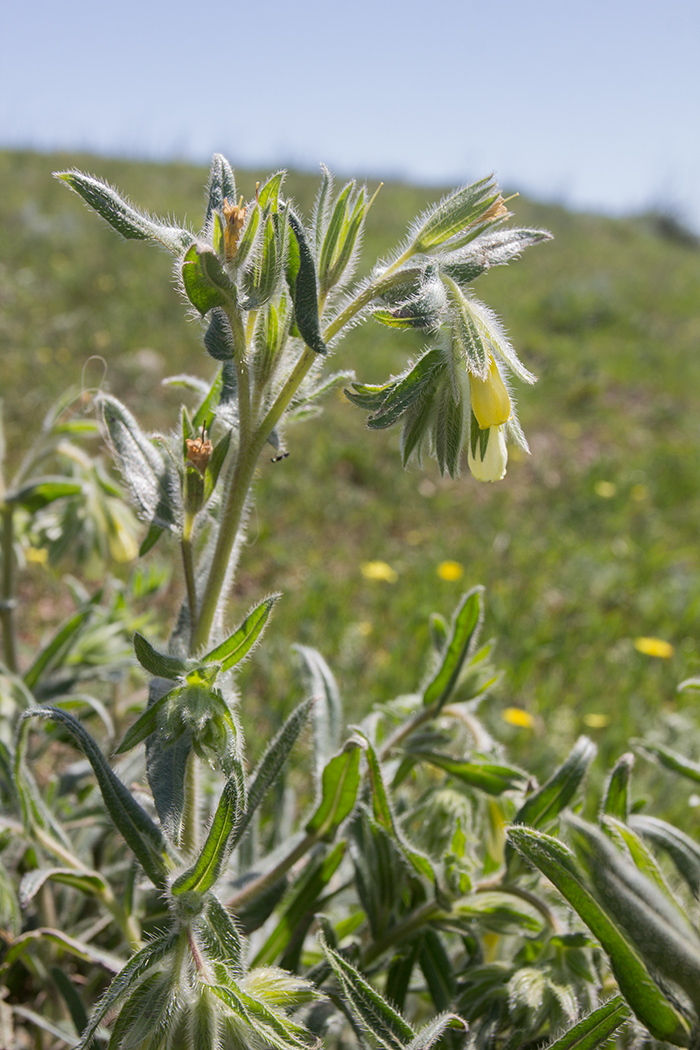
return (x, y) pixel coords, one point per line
(575, 570)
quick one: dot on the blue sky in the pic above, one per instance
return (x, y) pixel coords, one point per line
(596, 105)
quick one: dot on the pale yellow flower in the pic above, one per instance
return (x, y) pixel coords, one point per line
(605, 489)
(495, 460)
(516, 716)
(490, 400)
(379, 570)
(654, 647)
(450, 571)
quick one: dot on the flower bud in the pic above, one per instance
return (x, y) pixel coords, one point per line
(489, 398)
(491, 464)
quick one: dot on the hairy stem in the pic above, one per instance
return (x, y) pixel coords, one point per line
(7, 595)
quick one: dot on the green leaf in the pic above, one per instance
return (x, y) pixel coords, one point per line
(238, 644)
(368, 1006)
(206, 283)
(262, 276)
(222, 185)
(80, 949)
(339, 784)
(327, 709)
(217, 848)
(463, 636)
(558, 864)
(57, 648)
(544, 805)
(304, 290)
(268, 195)
(408, 390)
(683, 851)
(146, 723)
(487, 776)
(672, 760)
(596, 1028)
(299, 907)
(36, 494)
(437, 969)
(88, 882)
(162, 665)
(453, 215)
(616, 801)
(122, 216)
(219, 935)
(151, 480)
(150, 539)
(70, 997)
(137, 967)
(384, 815)
(141, 834)
(271, 764)
(655, 924)
(431, 1032)
(498, 912)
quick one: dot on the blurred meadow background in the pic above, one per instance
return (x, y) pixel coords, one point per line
(587, 546)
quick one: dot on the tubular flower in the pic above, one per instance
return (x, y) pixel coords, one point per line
(487, 454)
(490, 400)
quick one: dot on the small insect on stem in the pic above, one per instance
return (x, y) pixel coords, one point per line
(278, 459)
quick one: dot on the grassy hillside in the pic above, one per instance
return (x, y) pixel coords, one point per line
(587, 544)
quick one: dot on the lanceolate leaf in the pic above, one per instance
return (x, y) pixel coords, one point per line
(464, 632)
(683, 851)
(433, 1030)
(238, 645)
(38, 493)
(59, 645)
(162, 665)
(141, 834)
(339, 784)
(596, 1028)
(297, 910)
(216, 850)
(655, 924)
(124, 218)
(127, 979)
(327, 711)
(146, 723)
(220, 937)
(454, 214)
(673, 760)
(488, 776)
(304, 289)
(271, 763)
(89, 882)
(558, 864)
(80, 949)
(616, 801)
(543, 806)
(368, 1006)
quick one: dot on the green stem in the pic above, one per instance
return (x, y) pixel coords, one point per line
(7, 595)
(516, 891)
(420, 917)
(190, 812)
(188, 567)
(263, 882)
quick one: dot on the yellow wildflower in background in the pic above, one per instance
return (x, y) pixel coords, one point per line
(450, 571)
(654, 647)
(379, 570)
(516, 716)
(37, 555)
(596, 721)
(605, 489)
